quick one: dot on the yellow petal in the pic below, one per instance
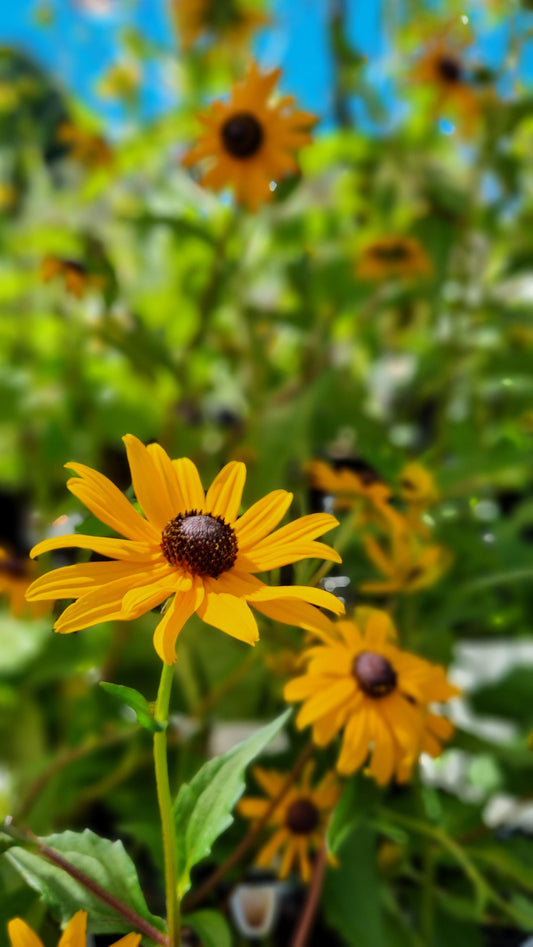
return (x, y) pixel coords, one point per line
(106, 501)
(270, 850)
(229, 613)
(261, 518)
(75, 933)
(190, 484)
(21, 935)
(252, 808)
(183, 605)
(355, 744)
(383, 758)
(325, 701)
(130, 940)
(123, 549)
(102, 604)
(173, 497)
(225, 493)
(74, 581)
(148, 484)
(262, 560)
(306, 593)
(300, 614)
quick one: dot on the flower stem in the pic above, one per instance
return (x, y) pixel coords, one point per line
(165, 807)
(311, 905)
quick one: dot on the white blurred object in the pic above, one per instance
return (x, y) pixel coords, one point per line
(95, 7)
(224, 736)
(254, 907)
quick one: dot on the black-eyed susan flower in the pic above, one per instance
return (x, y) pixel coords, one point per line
(393, 256)
(250, 140)
(361, 491)
(188, 546)
(406, 562)
(87, 148)
(442, 66)
(74, 935)
(75, 275)
(298, 822)
(419, 492)
(229, 21)
(16, 575)
(359, 683)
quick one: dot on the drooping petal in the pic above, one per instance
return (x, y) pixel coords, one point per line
(325, 701)
(108, 504)
(355, 744)
(100, 605)
(148, 483)
(225, 493)
(73, 581)
(183, 605)
(382, 762)
(291, 612)
(229, 613)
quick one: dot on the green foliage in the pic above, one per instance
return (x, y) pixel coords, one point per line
(103, 861)
(138, 703)
(203, 807)
(211, 927)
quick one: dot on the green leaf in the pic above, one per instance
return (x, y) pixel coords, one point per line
(509, 697)
(137, 702)
(211, 927)
(358, 798)
(203, 807)
(103, 861)
(351, 891)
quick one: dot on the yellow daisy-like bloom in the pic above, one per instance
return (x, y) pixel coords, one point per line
(16, 575)
(393, 256)
(188, 545)
(74, 935)
(249, 140)
(219, 20)
(299, 821)
(77, 278)
(89, 149)
(361, 491)
(408, 564)
(419, 491)
(442, 66)
(360, 683)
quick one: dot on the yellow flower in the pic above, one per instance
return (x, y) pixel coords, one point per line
(16, 575)
(359, 682)
(91, 150)
(75, 275)
(393, 256)
(442, 66)
(408, 565)
(74, 935)
(188, 545)
(219, 20)
(418, 487)
(299, 821)
(249, 140)
(360, 490)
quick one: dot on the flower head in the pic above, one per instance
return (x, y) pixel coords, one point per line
(227, 20)
(89, 149)
(299, 821)
(442, 66)
(360, 683)
(393, 256)
(407, 563)
(75, 275)
(359, 490)
(74, 935)
(189, 545)
(16, 575)
(250, 140)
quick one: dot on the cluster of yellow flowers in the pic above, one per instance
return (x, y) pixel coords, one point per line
(192, 550)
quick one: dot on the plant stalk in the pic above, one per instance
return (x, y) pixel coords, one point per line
(164, 799)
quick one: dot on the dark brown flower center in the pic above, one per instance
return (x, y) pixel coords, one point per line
(302, 817)
(200, 543)
(374, 673)
(242, 135)
(392, 252)
(16, 568)
(450, 69)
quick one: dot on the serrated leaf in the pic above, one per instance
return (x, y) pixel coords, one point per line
(137, 702)
(104, 861)
(211, 927)
(203, 807)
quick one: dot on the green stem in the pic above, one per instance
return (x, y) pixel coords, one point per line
(165, 808)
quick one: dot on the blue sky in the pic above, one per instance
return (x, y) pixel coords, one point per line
(77, 48)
